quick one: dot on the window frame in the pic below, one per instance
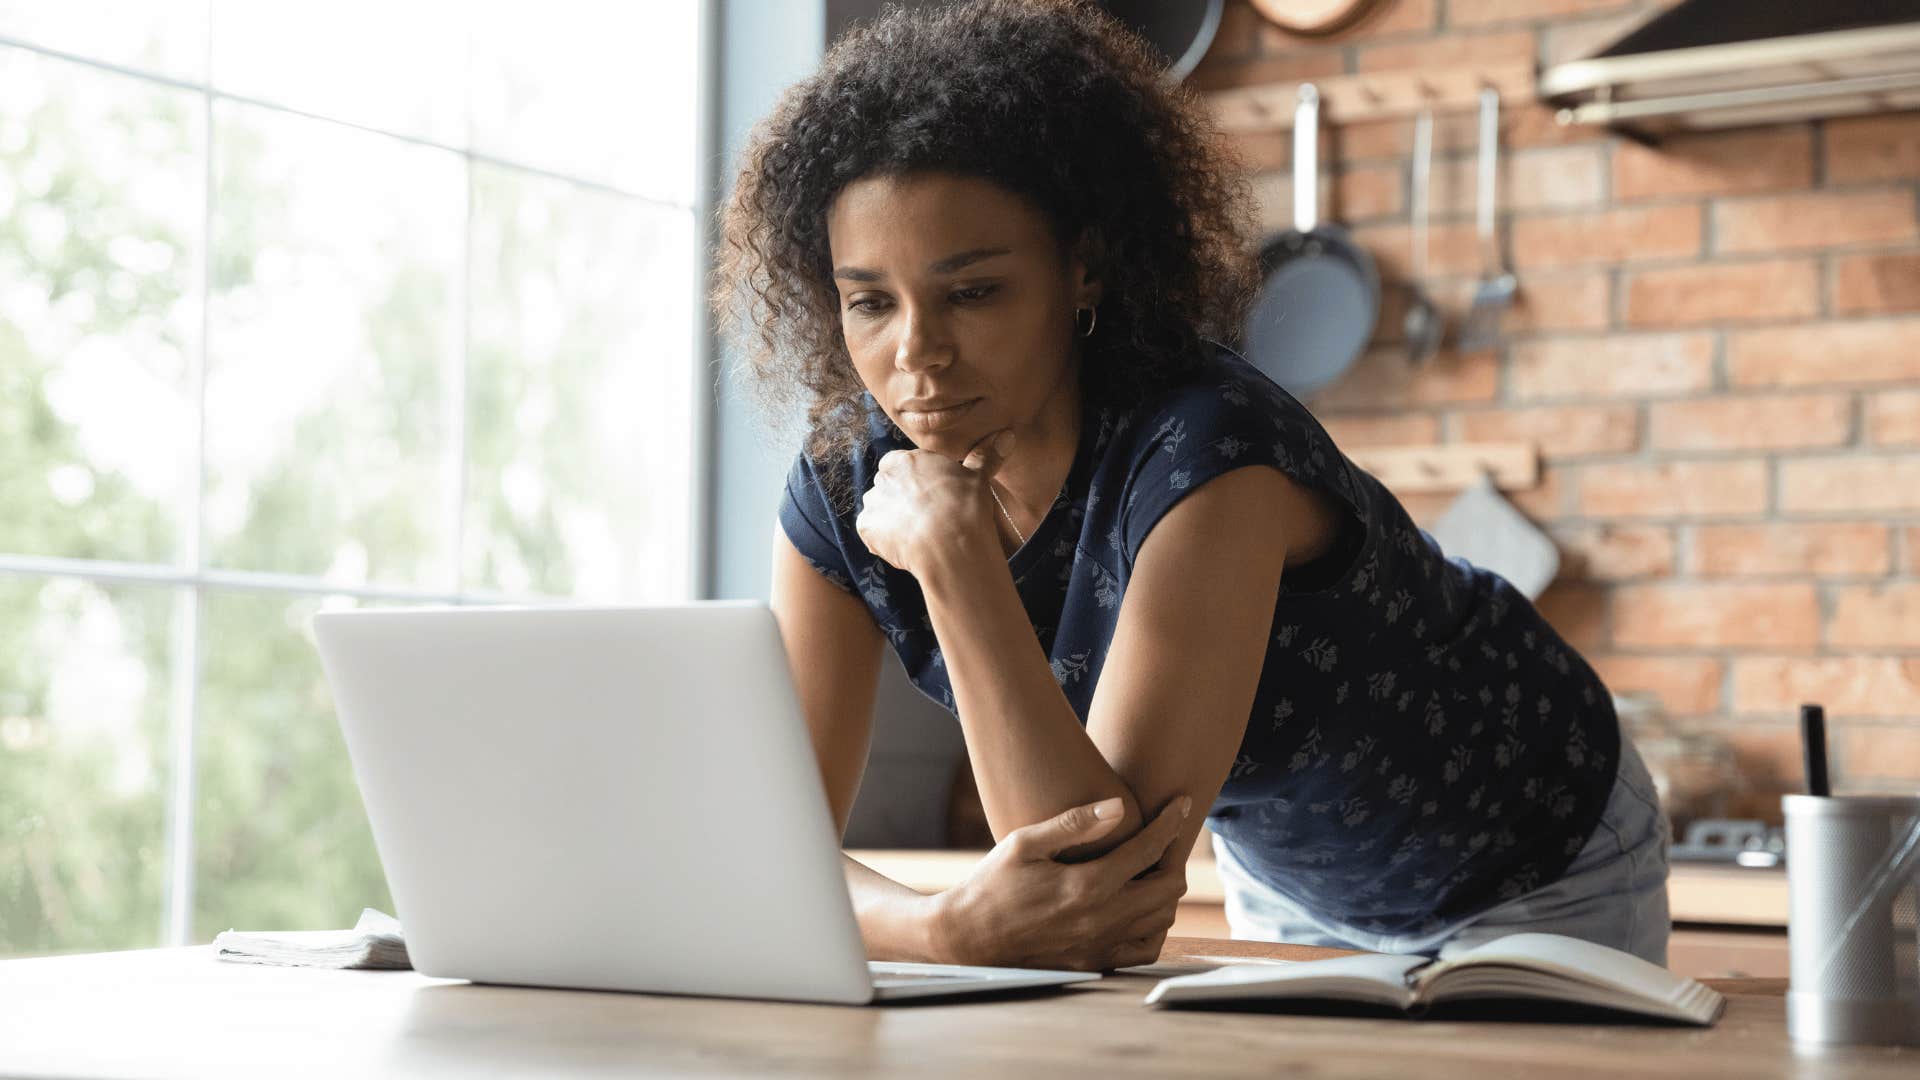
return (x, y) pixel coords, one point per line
(189, 577)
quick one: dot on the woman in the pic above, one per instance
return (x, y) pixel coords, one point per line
(992, 251)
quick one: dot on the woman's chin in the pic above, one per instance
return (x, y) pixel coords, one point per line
(947, 444)
(948, 440)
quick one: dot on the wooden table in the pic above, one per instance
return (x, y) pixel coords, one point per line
(180, 1012)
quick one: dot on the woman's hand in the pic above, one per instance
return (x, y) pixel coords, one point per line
(1022, 908)
(923, 506)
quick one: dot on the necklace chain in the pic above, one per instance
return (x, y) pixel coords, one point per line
(1003, 513)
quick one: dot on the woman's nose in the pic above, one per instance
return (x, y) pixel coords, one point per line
(924, 341)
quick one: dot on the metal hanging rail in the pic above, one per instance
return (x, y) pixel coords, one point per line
(1770, 80)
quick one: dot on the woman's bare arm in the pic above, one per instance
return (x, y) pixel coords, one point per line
(1175, 695)
(1178, 681)
(1030, 757)
(1020, 906)
(834, 652)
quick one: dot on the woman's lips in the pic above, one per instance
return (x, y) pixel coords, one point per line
(938, 419)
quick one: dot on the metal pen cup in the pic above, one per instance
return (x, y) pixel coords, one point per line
(1853, 879)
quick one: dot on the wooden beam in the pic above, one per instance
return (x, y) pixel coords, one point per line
(1513, 466)
(1351, 98)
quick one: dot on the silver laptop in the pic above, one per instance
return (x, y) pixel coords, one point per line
(608, 799)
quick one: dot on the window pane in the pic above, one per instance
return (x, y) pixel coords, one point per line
(281, 840)
(83, 767)
(168, 37)
(579, 394)
(409, 77)
(101, 202)
(335, 314)
(605, 92)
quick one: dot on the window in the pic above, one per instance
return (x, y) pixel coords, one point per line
(297, 315)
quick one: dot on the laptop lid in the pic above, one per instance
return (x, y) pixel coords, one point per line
(603, 798)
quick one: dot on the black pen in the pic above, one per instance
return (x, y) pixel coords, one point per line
(1813, 742)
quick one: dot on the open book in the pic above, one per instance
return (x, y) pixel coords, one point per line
(1540, 967)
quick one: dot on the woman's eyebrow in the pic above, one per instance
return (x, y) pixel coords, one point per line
(942, 266)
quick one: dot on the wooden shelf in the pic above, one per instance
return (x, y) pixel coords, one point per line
(1351, 98)
(1404, 469)
(1735, 895)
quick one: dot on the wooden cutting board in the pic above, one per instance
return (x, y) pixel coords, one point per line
(1309, 18)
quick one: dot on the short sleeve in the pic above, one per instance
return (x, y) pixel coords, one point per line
(1206, 430)
(807, 517)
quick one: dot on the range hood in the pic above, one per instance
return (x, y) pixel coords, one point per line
(1709, 64)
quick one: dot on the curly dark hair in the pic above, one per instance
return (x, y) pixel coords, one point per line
(1053, 100)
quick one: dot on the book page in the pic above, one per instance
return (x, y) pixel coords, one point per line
(1568, 969)
(1373, 978)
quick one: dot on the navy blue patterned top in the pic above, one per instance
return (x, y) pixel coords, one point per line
(1422, 744)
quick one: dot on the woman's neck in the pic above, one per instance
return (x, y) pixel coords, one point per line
(1043, 454)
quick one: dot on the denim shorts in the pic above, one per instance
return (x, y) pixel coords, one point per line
(1613, 893)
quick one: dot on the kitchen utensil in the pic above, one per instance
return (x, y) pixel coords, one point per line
(1741, 843)
(1853, 886)
(1481, 328)
(1312, 18)
(1485, 529)
(1319, 292)
(1179, 30)
(1423, 324)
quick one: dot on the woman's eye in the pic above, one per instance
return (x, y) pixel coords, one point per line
(869, 305)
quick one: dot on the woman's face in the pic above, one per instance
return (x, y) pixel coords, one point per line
(957, 305)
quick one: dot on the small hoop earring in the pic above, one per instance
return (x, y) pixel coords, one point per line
(1093, 319)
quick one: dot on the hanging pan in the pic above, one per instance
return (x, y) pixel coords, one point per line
(1319, 291)
(1179, 30)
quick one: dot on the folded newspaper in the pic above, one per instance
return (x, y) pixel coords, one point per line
(374, 942)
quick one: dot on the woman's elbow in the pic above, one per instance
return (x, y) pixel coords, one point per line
(1130, 823)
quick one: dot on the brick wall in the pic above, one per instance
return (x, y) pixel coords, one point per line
(1716, 347)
